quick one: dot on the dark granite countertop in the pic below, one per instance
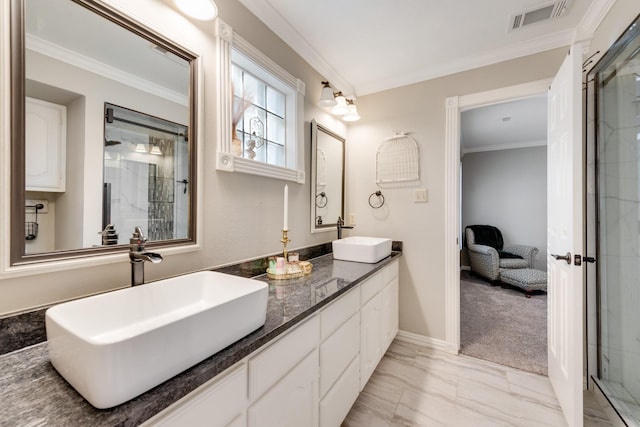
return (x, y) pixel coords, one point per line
(32, 393)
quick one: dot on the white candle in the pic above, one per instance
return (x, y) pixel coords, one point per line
(286, 208)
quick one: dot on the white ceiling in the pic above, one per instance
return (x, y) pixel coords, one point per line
(365, 46)
(514, 124)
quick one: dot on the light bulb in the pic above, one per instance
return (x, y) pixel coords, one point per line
(341, 105)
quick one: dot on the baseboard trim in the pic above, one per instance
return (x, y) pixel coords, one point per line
(425, 341)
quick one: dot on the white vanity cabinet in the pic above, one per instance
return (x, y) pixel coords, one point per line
(339, 358)
(378, 318)
(45, 145)
(283, 379)
(222, 402)
(309, 376)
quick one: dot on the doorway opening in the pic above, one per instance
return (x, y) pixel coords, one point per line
(453, 231)
(504, 204)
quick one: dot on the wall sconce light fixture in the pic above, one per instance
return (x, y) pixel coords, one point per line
(203, 10)
(340, 106)
(327, 100)
(352, 113)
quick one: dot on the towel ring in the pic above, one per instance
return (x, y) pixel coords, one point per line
(323, 197)
(380, 199)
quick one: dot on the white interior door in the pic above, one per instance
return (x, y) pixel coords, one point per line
(565, 236)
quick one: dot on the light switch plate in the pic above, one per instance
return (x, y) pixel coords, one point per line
(352, 219)
(420, 195)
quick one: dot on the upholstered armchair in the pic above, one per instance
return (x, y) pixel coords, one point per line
(488, 255)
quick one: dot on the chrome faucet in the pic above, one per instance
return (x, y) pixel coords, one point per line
(340, 225)
(137, 256)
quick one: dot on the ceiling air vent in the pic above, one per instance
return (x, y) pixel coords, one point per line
(539, 14)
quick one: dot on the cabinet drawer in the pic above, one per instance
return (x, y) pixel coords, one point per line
(337, 351)
(275, 361)
(222, 402)
(370, 287)
(390, 272)
(337, 403)
(338, 312)
(293, 401)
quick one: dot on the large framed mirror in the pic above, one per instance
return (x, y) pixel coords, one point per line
(327, 178)
(103, 127)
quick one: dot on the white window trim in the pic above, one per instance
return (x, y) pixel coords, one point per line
(228, 162)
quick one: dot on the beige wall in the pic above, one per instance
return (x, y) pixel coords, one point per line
(420, 109)
(241, 214)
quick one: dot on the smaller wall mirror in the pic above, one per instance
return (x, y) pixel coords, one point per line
(327, 178)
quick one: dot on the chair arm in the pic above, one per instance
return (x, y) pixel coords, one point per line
(528, 253)
(484, 261)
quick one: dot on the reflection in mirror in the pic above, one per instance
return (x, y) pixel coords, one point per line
(90, 86)
(327, 178)
(145, 158)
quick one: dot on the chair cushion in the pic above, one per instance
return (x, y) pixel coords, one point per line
(525, 278)
(510, 263)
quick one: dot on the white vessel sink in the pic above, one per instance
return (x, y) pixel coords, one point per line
(361, 249)
(115, 346)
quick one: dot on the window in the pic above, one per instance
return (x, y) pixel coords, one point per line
(260, 114)
(262, 122)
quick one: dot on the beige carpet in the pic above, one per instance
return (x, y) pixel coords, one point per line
(502, 326)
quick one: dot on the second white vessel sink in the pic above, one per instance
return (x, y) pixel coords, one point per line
(361, 249)
(115, 346)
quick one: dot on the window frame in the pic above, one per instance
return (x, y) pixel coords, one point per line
(230, 46)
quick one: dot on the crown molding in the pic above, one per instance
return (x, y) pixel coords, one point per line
(276, 23)
(514, 51)
(592, 18)
(62, 54)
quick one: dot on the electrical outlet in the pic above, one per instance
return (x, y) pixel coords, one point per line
(420, 195)
(352, 219)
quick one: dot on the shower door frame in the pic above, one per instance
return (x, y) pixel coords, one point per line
(593, 353)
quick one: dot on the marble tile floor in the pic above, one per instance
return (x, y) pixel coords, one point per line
(418, 386)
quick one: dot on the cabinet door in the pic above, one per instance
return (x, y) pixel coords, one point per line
(219, 404)
(337, 352)
(335, 406)
(293, 401)
(370, 337)
(45, 145)
(389, 313)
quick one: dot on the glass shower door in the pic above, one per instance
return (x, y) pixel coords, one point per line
(618, 204)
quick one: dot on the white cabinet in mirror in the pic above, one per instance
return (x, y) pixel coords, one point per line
(81, 55)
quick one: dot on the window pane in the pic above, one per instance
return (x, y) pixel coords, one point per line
(236, 79)
(275, 129)
(275, 154)
(275, 102)
(254, 90)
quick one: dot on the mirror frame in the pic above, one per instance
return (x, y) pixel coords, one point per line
(17, 254)
(315, 128)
